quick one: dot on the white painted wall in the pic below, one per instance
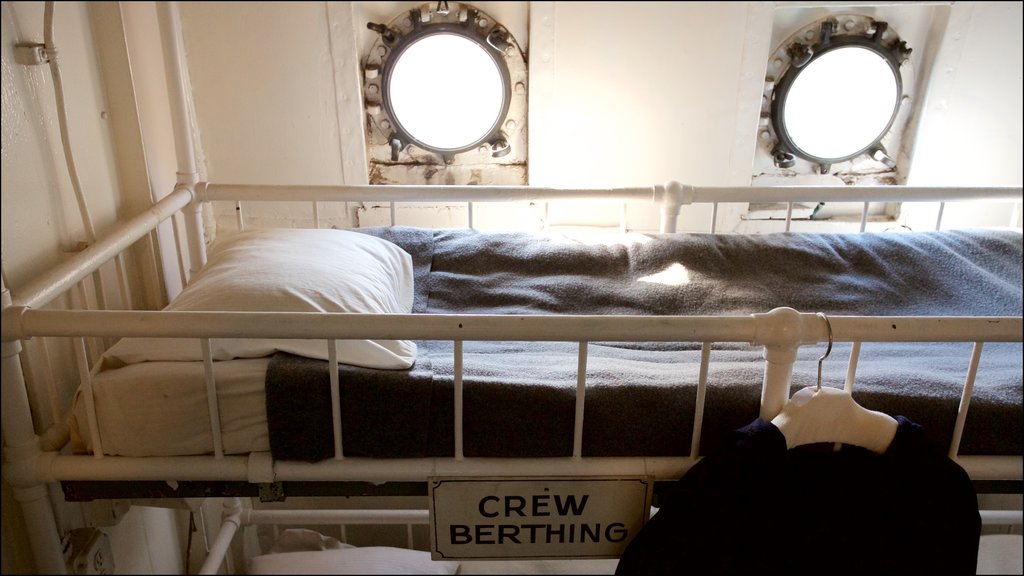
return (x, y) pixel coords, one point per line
(971, 130)
(621, 94)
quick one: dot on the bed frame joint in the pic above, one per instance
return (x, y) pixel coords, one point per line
(271, 492)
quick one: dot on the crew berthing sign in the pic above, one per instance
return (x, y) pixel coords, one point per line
(477, 518)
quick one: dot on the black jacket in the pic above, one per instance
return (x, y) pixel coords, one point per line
(760, 508)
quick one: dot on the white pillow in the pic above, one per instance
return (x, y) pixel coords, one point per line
(368, 560)
(289, 270)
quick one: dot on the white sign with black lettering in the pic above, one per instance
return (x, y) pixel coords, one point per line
(593, 517)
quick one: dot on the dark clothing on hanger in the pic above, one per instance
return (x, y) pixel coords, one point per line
(758, 507)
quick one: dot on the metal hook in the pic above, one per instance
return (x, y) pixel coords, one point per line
(827, 351)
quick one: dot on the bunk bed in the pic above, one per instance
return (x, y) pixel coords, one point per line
(472, 354)
(490, 373)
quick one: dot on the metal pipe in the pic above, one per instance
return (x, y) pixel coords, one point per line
(332, 363)
(356, 469)
(62, 121)
(170, 33)
(21, 452)
(698, 409)
(26, 323)
(211, 398)
(411, 193)
(656, 194)
(193, 214)
(90, 404)
(581, 398)
(965, 399)
(291, 517)
(851, 367)
(47, 286)
(458, 400)
(230, 522)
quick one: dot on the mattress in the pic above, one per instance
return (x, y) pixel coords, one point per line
(519, 396)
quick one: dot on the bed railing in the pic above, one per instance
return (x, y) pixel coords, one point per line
(670, 197)
(781, 332)
(27, 466)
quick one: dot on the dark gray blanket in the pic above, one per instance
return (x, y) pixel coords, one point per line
(519, 396)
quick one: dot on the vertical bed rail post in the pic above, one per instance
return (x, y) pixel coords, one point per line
(581, 397)
(965, 400)
(938, 217)
(457, 424)
(211, 399)
(698, 408)
(851, 367)
(90, 401)
(332, 367)
(20, 452)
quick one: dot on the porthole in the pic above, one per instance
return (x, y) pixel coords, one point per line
(445, 108)
(840, 94)
(445, 80)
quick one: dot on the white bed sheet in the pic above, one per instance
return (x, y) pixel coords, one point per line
(160, 409)
(387, 560)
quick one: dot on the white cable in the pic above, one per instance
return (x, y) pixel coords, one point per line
(62, 118)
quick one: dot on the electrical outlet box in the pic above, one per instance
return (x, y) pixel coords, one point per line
(90, 552)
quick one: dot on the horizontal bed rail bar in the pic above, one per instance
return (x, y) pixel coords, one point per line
(52, 467)
(44, 288)
(416, 516)
(662, 193)
(757, 328)
(250, 516)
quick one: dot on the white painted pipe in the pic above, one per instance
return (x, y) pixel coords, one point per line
(170, 33)
(47, 286)
(230, 522)
(412, 193)
(27, 323)
(355, 469)
(965, 399)
(156, 468)
(316, 325)
(324, 517)
(17, 413)
(657, 194)
(42, 529)
(21, 450)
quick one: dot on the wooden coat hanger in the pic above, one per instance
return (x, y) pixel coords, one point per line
(816, 415)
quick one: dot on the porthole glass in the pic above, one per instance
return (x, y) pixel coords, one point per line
(446, 92)
(841, 103)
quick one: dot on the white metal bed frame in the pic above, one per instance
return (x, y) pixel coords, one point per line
(32, 461)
